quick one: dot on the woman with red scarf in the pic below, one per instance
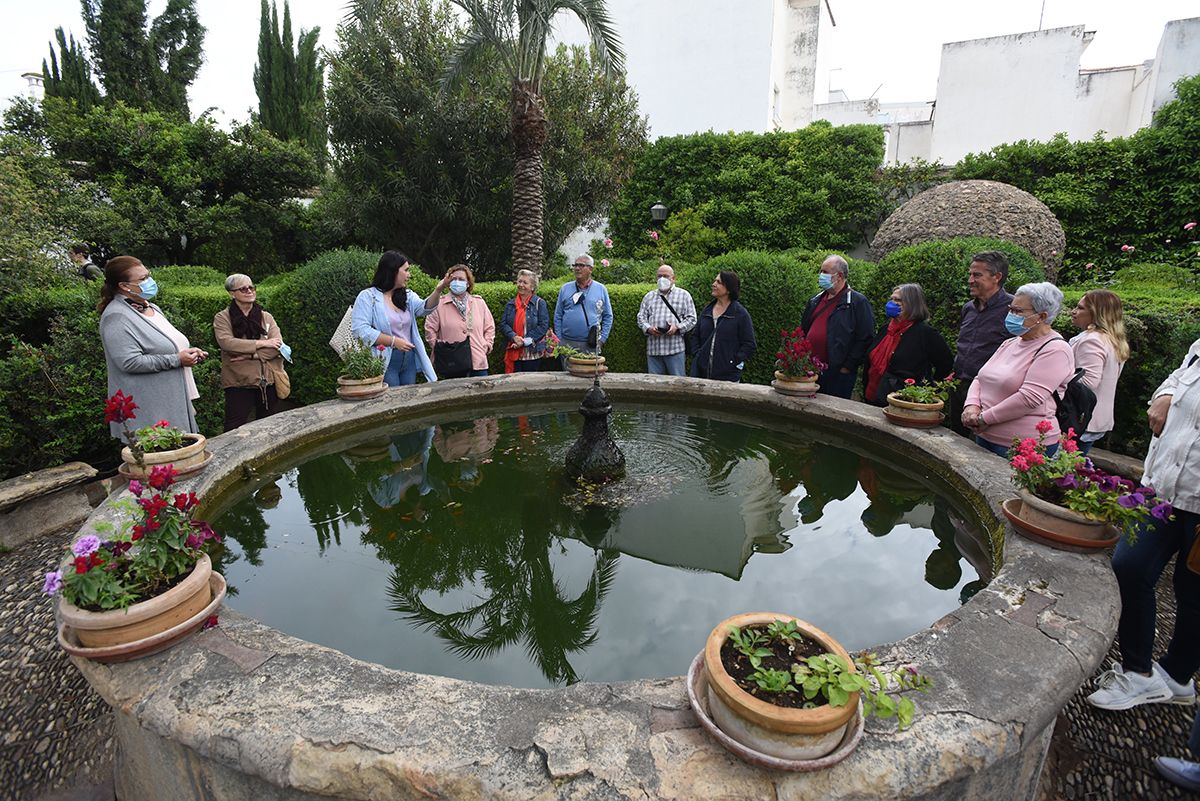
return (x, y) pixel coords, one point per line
(524, 325)
(906, 347)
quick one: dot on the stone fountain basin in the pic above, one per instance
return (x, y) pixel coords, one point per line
(246, 711)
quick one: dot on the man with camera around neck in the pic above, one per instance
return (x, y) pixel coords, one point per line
(581, 305)
(666, 315)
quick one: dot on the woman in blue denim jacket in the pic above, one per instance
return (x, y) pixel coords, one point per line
(386, 313)
(527, 346)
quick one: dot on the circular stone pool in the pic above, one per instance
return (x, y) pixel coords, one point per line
(245, 710)
(458, 549)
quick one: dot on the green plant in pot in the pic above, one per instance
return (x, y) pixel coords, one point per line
(920, 404)
(153, 445)
(578, 362)
(362, 371)
(786, 689)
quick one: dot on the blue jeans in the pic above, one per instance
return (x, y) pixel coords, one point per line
(478, 372)
(837, 383)
(665, 365)
(1138, 568)
(1002, 450)
(402, 369)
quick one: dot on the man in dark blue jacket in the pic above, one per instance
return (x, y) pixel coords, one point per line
(839, 324)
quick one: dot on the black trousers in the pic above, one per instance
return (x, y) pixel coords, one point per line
(241, 401)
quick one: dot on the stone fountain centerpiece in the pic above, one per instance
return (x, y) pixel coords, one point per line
(595, 457)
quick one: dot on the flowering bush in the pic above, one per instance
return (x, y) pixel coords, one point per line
(795, 357)
(926, 391)
(1069, 479)
(145, 556)
(363, 361)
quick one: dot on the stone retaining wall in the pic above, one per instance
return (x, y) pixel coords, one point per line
(245, 711)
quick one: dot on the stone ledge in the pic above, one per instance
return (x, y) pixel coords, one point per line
(310, 721)
(15, 491)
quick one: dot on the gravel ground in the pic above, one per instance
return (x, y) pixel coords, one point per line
(55, 733)
(56, 743)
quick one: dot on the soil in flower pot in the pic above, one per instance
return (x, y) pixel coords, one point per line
(738, 666)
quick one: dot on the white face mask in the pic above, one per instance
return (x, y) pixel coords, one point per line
(665, 284)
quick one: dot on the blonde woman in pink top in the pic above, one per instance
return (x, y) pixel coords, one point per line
(1014, 391)
(460, 316)
(1101, 349)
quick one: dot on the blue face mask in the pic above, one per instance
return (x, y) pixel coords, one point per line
(892, 309)
(824, 280)
(458, 286)
(1015, 324)
(148, 288)
(285, 350)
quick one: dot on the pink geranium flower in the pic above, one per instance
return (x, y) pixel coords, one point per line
(1189, 226)
(608, 244)
(1044, 427)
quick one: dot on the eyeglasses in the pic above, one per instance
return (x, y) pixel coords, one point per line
(580, 264)
(245, 288)
(1022, 312)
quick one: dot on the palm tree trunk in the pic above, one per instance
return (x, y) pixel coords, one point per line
(529, 131)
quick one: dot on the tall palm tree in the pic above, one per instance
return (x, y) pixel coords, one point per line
(517, 31)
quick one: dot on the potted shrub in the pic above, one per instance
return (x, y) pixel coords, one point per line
(362, 375)
(784, 688)
(132, 589)
(584, 365)
(1064, 501)
(796, 368)
(920, 405)
(154, 445)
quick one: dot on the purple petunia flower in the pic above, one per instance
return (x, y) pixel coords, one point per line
(1162, 510)
(136, 487)
(53, 582)
(86, 545)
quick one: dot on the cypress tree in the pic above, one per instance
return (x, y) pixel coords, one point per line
(290, 83)
(70, 75)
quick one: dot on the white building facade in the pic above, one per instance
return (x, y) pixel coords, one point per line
(1026, 86)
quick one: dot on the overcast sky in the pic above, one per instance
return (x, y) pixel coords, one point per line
(885, 44)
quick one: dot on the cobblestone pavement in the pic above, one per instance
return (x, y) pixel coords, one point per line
(55, 733)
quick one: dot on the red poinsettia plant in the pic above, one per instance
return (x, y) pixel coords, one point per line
(145, 555)
(795, 357)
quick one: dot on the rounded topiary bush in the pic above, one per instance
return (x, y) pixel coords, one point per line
(941, 270)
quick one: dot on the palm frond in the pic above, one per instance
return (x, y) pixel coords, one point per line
(603, 33)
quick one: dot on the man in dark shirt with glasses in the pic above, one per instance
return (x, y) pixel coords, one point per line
(981, 325)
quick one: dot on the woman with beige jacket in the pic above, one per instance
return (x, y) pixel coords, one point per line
(250, 341)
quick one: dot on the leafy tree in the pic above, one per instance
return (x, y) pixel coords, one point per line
(146, 68)
(173, 191)
(517, 31)
(428, 172)
(69, 74)
(290, 83)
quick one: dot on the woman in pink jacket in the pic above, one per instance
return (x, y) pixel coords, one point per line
(1014, 391)
(460, 316)
(1101, 349)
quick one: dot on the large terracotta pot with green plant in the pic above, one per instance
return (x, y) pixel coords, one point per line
(154, 445)
(920, 405)
(586, 365)
(796, 367)
(363, 373)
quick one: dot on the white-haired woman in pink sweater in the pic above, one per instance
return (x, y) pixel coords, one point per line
(1014, 391)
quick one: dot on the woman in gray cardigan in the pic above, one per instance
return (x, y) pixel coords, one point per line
(147, 357)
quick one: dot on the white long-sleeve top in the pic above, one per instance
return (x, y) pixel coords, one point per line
(1173, 460)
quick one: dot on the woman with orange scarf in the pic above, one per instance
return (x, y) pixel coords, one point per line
(906, 347)
(524, 325)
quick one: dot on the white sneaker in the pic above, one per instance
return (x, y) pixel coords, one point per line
(1121, 690)
(1181, 693)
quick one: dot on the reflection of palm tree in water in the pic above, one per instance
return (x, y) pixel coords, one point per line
(526, 604)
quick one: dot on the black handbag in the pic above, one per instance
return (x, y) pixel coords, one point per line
(452, 359)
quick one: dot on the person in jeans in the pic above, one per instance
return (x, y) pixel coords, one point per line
(581, 303)
(1172, 468)
(1101, 350)
(981, 326)
(666, 316)
(839, 324)
(1014, 390)
(1181, 772)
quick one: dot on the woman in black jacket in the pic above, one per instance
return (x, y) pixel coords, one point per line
(723, 339)
(907, 347)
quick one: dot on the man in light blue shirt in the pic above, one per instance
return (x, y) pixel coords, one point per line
(581, 304)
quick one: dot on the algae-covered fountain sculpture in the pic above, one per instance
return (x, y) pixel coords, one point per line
(595, 457)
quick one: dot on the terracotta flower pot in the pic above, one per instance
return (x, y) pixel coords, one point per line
(586, 366)
(792, 385)
(359, 388)
(144, 619)
(778, 731)
(188, 459)
(914, 414)
(1057, 525)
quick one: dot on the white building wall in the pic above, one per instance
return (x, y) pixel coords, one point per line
(794, 62)
(1178, 57)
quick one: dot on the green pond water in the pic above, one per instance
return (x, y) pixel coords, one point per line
(459, 549)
